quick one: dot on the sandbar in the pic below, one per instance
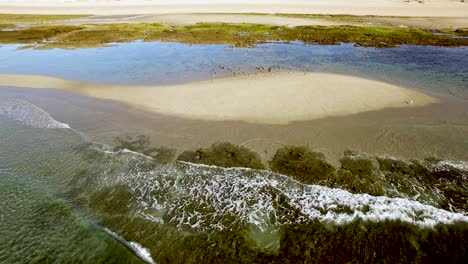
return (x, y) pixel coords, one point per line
(268, 98)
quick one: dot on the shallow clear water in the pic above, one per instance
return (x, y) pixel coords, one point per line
(39, 227)
(443, 70)
(57, 187)
(38, 222)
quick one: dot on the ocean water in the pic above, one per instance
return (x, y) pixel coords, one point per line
(67, 199)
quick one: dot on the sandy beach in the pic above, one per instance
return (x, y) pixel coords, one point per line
(190, 19)
(274, 98)
(434, 8)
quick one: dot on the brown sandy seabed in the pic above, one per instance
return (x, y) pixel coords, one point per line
(437, 130)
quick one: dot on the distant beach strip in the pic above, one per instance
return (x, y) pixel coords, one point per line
(422, 8)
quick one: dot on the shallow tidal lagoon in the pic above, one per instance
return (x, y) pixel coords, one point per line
(436, 69)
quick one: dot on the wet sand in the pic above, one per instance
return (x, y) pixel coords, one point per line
(270, 98)
(438, 130)
(445, 8)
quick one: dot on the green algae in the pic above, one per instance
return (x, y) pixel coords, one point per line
(267, 240)
(462, 32)
(6, 25)
(306, 242)
(358, 164)
(378, 242)
(241, 35)
(301, 163)
(142, 144)
(336, 18)
(224, 155)
(35, 34)
(115, 200)
(395, 165)
(426, 181)
(299, 242)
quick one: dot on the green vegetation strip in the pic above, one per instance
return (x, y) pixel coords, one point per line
(242, 35)
(463, 32)
(4, 25)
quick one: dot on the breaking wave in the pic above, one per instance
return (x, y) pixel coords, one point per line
(210, 198)
(141, 252)
(29, 114)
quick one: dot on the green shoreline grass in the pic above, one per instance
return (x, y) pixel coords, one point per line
(240, 35)
(463, 32)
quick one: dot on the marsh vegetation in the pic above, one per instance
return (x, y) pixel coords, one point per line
(241, 35)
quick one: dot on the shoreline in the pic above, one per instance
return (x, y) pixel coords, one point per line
(273, 98)
(357, 7)
(436, 130)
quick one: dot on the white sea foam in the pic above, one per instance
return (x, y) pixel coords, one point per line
(212, 198)
(142, 252)
(29, 114)
(460, 165)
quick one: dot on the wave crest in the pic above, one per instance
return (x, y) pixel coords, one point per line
(210, 198)
(29, 114)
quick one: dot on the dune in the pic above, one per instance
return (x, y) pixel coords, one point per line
(433, 8)
(271, 98)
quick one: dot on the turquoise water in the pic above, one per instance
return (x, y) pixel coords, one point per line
(443, 70)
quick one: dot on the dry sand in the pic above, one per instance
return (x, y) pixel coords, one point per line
(432, 8)
(190, 19)
(275, 98)
(437, 130)
(430, 23)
